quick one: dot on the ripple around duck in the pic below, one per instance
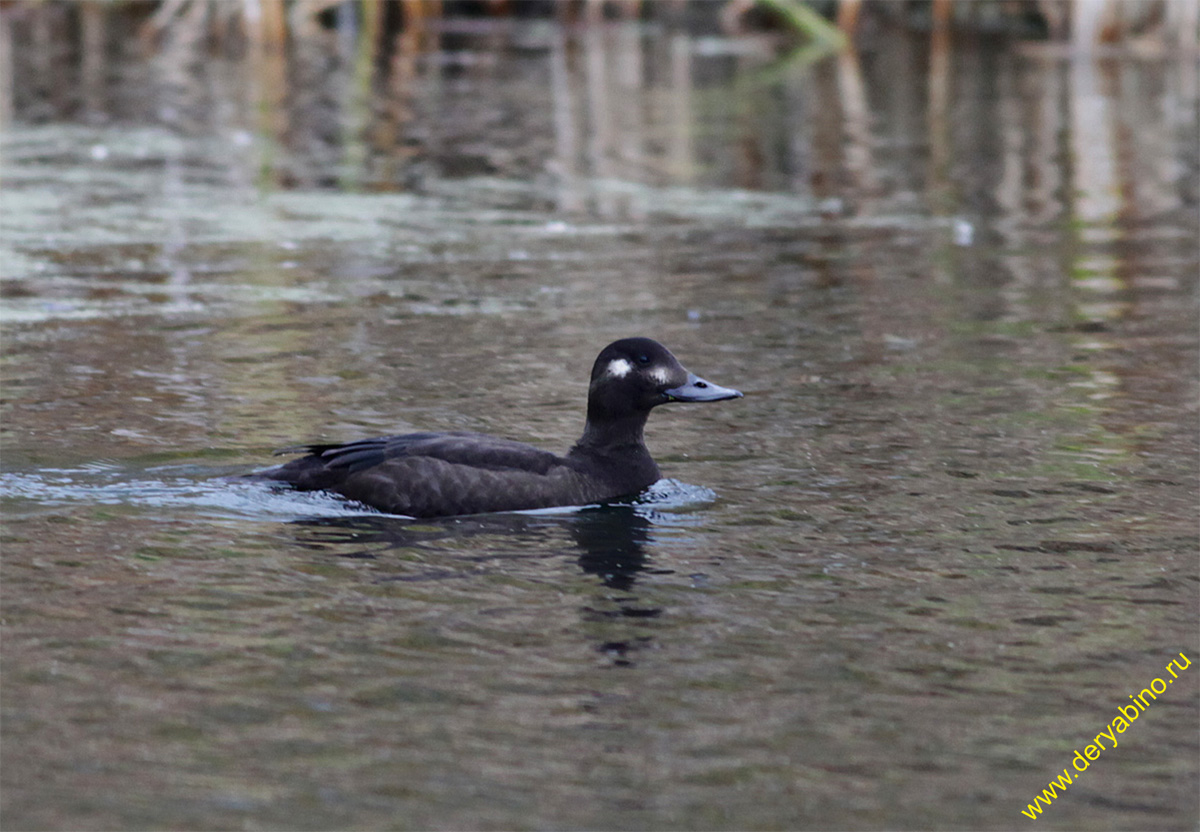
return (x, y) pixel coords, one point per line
(100, 485)
(203, 490)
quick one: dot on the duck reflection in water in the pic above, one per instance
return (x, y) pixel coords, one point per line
(609, 542)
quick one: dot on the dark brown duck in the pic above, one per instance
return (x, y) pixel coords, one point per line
(445, 474)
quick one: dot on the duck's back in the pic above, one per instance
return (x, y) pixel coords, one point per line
(441, 474)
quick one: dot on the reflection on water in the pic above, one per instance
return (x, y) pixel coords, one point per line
(952, 524)
(611, 540)
(608, 542)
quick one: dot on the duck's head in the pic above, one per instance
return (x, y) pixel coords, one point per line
(636, 374)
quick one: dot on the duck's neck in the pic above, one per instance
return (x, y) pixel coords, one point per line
(607, 436)
(613, 450)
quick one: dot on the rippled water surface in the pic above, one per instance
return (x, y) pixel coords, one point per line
(948, 532)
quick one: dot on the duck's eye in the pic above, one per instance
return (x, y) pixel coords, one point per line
(643, 359)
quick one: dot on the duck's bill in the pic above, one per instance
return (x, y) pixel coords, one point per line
(697, 389)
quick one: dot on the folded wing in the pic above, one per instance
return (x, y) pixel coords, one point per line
(439, 474)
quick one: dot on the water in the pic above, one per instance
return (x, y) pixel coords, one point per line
(950, 529)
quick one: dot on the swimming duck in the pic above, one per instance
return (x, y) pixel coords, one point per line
(446, 474)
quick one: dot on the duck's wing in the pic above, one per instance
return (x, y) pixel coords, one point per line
(440, 474)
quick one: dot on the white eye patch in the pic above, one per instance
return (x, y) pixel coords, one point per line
(618, 367)
(660, 375)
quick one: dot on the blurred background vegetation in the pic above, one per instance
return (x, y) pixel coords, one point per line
(1083, 24)
(350, 79)
(387, 28)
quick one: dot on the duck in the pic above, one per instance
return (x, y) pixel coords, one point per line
(447, 474)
